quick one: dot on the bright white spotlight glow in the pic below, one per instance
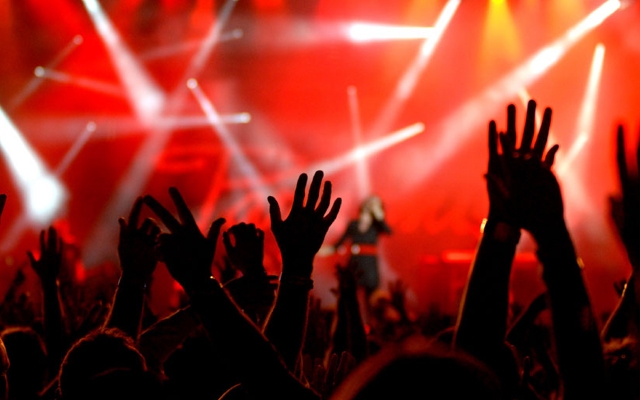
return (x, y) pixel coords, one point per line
(595, 18)
(77, 40)
(584, 125)
(144, 95)
(362, 167)
(240, 118)
(44, 197)
(571, 155)
(247, 169)
(42, 194)
(142, 165)
(369, 149)
(192, 83)
(472, 114)
(407, 83)
(545, 59)
(589, 101)
(364, 32)
(359, 154)
(87, 83)
(39, 72)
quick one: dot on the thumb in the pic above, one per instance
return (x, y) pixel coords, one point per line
(214, 229)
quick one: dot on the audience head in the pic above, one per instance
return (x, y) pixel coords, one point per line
(103, 358)
(417, 368)
(28, 372)
(4, 367)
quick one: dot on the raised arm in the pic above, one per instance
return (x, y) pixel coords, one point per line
(534, 196)
(47, 267)
(481, 326)
(299, 238)
(188, 255)
(137, 262)
(625, 210)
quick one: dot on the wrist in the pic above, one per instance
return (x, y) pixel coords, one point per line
(201, 287)
(297, 268)
(297, 281)
(133, 279)
(500, 230)
(49, 285)
(551, 235)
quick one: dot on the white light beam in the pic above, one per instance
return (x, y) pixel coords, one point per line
(143, 93)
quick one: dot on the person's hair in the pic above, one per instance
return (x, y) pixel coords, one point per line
(4, 367)
(28, 372)
(366, 204)
(418, 368)
(97, 353)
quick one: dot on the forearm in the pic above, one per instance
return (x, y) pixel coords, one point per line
(126, 310)
(54, 328)
(161, 339)
(579, 350)
(286, 325)
(254, 360)
(481, 325)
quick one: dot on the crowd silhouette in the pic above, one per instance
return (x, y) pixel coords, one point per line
(251, 335)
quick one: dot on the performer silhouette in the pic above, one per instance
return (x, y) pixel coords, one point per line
(362, 236)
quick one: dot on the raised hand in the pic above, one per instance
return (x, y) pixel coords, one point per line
(247, 251)
(187, 253)
(301, 234)
(522, 188)
(136, 246)
(626, 210)
(47, 267)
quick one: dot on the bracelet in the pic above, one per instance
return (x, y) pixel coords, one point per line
(305, 283)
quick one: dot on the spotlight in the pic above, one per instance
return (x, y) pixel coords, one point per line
(365, 32)
(192, 83)
(42, 194)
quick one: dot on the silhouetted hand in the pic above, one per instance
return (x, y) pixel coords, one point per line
(301, 234)
(187, 253)
(626, 210)
(524, 189)
(47, 267)
(248, 250)
(136, 246)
